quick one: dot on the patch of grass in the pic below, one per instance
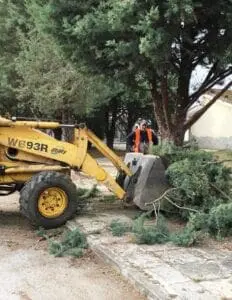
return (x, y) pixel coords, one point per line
(119, 228)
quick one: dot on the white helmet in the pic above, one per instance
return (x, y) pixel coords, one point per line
(136, 126)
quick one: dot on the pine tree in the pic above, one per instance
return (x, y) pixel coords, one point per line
(153, 46)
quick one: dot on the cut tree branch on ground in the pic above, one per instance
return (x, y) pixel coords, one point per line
(181, 207)
(220, 191)
(217, 162)
(164, 196)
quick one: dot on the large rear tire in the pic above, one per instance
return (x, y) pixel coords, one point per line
(49, 199)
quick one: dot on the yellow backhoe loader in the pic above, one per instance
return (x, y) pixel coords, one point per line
(39, 166)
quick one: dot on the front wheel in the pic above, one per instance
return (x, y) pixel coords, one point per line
(49, 199)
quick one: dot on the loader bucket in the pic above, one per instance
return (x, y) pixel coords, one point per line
(148, 181)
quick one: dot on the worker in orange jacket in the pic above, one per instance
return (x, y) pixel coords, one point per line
(142, 138)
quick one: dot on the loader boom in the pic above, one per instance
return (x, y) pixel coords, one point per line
(25, 151)
(39, 166)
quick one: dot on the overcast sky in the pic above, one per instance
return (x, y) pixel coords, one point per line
(198, 76)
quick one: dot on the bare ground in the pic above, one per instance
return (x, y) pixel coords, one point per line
(28, 271)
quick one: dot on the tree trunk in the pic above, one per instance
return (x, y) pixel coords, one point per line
(67, 133)
(58, 131)
(132, 116)
(170, 122)
(175, 133)
(110, 122)
(169, 106)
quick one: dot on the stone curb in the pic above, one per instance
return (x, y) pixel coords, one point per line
(140, 282)
(156, 287)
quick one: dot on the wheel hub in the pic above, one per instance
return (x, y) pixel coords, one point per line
(52, 202)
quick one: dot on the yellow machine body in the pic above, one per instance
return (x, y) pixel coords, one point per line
(25, 151)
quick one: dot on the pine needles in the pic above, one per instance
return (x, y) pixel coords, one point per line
(73, 243)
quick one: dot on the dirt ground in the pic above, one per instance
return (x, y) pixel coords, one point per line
(28, 271)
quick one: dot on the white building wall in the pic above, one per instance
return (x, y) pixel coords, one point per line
(214, 129)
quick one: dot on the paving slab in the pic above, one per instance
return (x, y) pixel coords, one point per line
(160, 271)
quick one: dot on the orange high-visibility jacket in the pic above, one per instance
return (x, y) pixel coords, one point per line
(137, 138)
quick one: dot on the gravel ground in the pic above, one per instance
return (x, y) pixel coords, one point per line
(28, 271)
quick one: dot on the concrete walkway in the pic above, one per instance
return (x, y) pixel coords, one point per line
(160, 271)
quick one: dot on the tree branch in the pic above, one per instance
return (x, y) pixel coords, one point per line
(209, 80)
(164, 196)
(164, 93)
(211, 72)
(200, 57)
(200, 112)
(214, 80)
(220, 191)
(180, 207)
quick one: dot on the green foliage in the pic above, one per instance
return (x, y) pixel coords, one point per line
(189, 176)
(157, 233)
(198, 221)
(108, 199)
(172, 153)
(220, 220)
(41, 233)
(51, 84)
(12, 17)
(187, 237)
(73, 244)
(151, 46)
(119, 228)
(82, 191)
(201, 183)
(75, 238)
(89, 193)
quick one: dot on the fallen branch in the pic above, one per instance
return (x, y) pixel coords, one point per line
(162, 196)
(220, 191)
(217, 162)
(181, 207)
